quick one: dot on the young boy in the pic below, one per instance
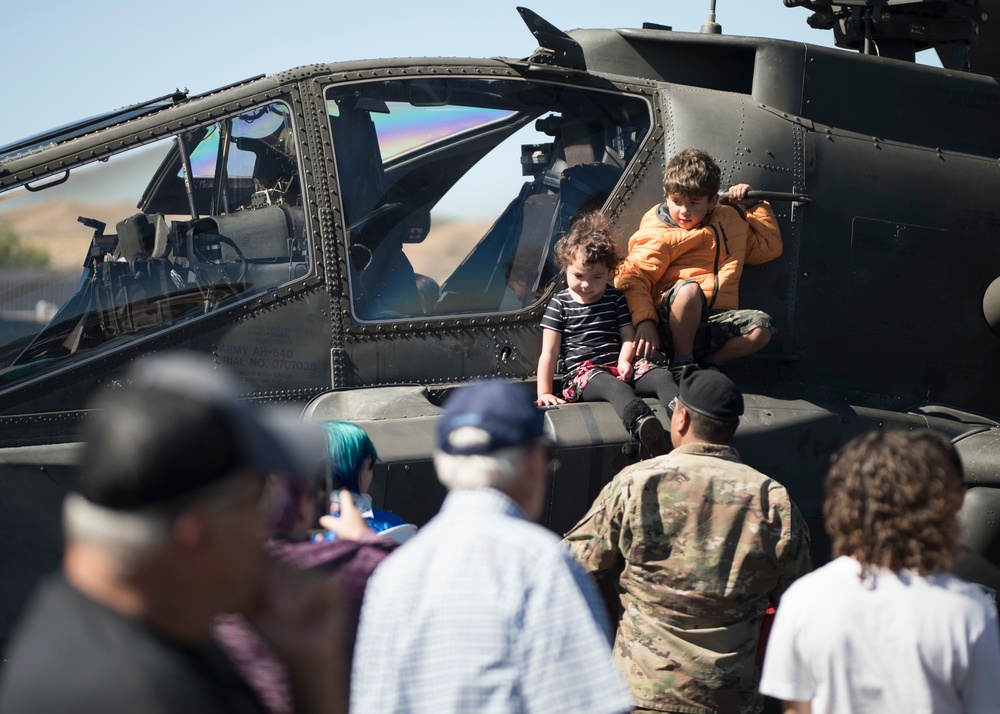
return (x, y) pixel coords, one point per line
(684, 264)
(589, 323)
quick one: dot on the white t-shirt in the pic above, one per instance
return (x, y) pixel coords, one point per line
(891, 643)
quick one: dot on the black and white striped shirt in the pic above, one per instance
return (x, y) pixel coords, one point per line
(589, 332)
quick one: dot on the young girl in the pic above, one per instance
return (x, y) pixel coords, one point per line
(352, 458)
(590, 324)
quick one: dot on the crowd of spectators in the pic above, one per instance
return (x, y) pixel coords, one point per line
(224, 583)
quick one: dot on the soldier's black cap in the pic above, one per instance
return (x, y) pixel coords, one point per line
(712, 394)
(173, 427)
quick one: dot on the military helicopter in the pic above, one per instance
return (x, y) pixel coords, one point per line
(315, 231)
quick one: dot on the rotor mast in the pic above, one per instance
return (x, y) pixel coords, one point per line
(898, 29)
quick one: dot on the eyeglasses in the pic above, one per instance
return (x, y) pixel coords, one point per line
(550, 455)
(672, 407)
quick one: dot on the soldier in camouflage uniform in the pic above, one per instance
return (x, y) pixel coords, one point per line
(703, 543)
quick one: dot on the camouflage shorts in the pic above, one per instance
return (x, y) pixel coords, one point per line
(717, 326)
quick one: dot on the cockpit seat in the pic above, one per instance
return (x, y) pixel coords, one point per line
(141, 233)
(520, 243)
(383, 283)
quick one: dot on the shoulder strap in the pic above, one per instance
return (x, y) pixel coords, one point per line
(715, 269)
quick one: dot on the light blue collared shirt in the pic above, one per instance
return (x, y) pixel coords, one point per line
(483, 611)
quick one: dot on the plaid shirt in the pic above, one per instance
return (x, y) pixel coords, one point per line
(483, 611)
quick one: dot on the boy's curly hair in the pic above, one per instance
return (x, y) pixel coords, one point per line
(591, 235)
(692, 174)
(891, 500)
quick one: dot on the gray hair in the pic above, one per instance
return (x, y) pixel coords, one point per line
(132, 536)
(499, 469)
(128, 536)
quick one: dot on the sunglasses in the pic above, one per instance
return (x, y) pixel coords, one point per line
(672, 407)
(550, 455)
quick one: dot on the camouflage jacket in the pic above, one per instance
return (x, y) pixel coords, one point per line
(703, 543)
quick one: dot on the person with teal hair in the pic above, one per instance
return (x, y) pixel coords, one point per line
(352, 460)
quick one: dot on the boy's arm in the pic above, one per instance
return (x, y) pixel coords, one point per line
(796, 707)
(551, 344)
(647, 339)
(764, 237)
(640, 273)
(626, 355)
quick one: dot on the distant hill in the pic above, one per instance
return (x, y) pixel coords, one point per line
(53, 227)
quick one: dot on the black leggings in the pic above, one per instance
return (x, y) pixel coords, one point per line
(603, 387)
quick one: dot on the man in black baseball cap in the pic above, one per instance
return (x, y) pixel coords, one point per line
(707, 543)
(483, 609)
(164, 531)
(709, 406)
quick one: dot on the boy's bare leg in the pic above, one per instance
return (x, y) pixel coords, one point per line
(685, 318)
(742, 346)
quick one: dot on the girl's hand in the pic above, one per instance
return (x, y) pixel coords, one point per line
(625, 371)
(548, 400)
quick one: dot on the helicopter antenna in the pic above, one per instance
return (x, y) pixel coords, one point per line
(555, 47)
(711, 27)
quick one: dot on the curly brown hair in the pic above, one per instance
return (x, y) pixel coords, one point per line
(593, 237)
(692, 174)
(891, 500)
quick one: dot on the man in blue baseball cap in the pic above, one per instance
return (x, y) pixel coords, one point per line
(483, 610)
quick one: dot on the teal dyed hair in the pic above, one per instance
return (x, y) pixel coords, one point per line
(348, 447)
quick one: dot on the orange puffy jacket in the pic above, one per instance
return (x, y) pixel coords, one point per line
(713, 255)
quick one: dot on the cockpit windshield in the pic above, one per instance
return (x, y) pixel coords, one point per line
(455, 189)
(151, 238)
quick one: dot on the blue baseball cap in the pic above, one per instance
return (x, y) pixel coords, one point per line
(487, 416)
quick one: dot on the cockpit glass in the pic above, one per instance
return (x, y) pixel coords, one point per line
(205, 156)
(404, 128)
(149, 239)
(260, 124)
(455, 189)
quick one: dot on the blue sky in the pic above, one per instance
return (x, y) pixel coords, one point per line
(65, 59)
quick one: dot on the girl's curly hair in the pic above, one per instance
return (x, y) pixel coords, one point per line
(593, 237)
(891, 500)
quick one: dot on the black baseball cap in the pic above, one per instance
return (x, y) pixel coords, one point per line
(712, 394)
(175, 426)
